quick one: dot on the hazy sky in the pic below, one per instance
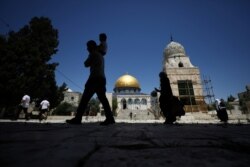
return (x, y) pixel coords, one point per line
(214, 33)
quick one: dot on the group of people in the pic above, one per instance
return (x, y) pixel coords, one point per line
(24, 106)
(170, 105)
(96, 83)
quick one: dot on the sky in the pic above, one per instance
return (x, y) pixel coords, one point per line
(214, 33)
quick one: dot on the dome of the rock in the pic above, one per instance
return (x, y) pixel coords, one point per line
(127, 83)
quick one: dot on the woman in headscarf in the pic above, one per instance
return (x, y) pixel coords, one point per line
(169, 104)
(221, 110)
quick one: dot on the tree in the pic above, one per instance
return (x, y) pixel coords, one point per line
(243, 106)
(93, 107)
(231, 98)
(114, 106)
(25, 64)
(64, 109)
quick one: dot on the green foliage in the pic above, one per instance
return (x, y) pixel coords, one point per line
(210, 107)
(231, 98)
(93, 108)
(229, 106)
(25, 64)
(64, 109)
(243, 106)
(114, 106)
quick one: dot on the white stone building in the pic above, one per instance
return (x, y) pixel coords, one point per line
(184, 77)
(72, 97)
(127, 91)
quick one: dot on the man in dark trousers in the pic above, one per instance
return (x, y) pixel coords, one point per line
(96, 83)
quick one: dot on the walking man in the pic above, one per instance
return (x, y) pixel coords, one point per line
(96, 83)
(44, 109)
(23, 106)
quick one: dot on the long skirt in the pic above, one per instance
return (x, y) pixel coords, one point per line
(222, 114)
(171, 108)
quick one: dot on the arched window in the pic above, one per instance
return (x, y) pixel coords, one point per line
(144, 101)
(180, 64)
(130, 101)
(137, 101)
(124, 104)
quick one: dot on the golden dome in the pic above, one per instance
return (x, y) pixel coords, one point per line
(127, 81)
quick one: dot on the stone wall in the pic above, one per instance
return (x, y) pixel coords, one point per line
(193, 74)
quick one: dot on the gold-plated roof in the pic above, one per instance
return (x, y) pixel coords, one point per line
(127, 81)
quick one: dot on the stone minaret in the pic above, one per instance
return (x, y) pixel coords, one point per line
(184, 77)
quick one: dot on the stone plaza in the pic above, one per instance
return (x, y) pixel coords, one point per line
(191, 142)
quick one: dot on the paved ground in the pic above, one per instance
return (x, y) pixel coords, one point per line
(123, 144)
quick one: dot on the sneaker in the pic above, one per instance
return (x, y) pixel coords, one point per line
(74, 121)
(108, 122)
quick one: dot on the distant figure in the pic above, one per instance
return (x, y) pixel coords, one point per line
(221, 110)
(23, 106)
(103, 46)
(131, 115)
(44, 109)
(96, 83)
(169, 104)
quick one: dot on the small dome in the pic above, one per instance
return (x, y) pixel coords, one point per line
(127, 81)
(174, 49)
(69, 90)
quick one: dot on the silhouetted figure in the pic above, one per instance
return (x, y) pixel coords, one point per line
(23, 106)
(131, 115)
(169, 104)
(96, 83)
(221, 110)
(103, 46)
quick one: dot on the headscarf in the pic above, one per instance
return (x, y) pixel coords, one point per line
(217, 103)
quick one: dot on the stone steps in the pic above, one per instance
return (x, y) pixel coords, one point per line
(136, 114)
